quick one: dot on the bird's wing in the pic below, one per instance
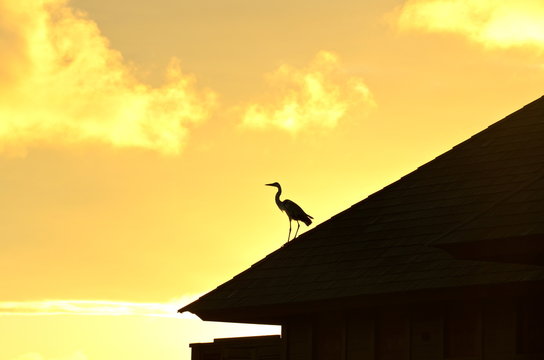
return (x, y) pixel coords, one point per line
(294, 211)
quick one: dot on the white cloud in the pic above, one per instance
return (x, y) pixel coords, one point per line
(492, 23)
(61, 82)
(94, 307)
(319, 95)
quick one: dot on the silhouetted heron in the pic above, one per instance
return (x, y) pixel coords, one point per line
(293, 211)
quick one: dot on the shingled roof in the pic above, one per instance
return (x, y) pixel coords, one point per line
(489, 187)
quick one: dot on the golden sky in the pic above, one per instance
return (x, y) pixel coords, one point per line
(136, 138)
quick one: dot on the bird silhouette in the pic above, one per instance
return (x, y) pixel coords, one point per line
(293, 211)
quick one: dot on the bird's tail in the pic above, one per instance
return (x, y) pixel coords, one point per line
(308, 220)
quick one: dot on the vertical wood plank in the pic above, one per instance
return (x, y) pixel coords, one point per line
(427, 337)
(299, 338)
(359, 337)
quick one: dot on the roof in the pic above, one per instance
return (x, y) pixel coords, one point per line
(488, 187)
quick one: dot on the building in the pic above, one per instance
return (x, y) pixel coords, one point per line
(445, 263)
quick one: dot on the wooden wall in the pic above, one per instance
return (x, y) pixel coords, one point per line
(498, 329)
(492, 330)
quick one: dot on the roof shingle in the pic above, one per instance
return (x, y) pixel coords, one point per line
(487, 187)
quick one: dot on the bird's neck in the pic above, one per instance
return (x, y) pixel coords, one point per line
(278, 201)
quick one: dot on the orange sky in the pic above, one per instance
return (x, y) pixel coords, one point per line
(136, 138)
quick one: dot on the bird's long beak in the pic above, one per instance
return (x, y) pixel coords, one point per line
(269, 184)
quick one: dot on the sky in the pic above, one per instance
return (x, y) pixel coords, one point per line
(136, 138)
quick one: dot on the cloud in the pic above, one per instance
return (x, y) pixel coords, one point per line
(319, 95)
(93, 307)
(492, 23)
(78, 355)
(61, 82)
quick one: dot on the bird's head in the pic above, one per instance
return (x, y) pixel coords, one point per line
(275, 184)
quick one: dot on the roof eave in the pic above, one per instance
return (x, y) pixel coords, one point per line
(278, 314)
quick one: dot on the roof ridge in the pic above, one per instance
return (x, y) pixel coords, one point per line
(377, 193)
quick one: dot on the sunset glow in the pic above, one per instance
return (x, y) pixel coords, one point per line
(78, 355)
(136, 139)
(86, 307)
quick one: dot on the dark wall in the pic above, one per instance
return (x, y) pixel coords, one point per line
(495, 329)
(246, 348)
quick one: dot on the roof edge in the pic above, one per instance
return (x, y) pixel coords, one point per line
(275, 314)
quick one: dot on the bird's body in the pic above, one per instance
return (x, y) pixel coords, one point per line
(293, 211)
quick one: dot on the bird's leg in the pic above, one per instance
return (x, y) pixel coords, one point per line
(288, 236)
(298, 227)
